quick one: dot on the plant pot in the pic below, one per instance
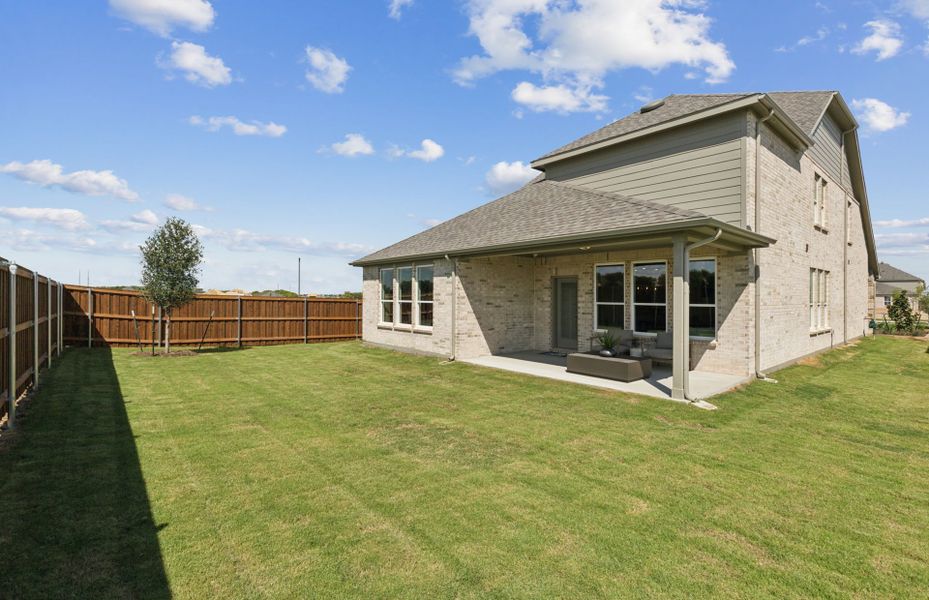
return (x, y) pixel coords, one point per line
(606, 352)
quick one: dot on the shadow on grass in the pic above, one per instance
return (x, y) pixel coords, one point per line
(221, 349)
(75, 519)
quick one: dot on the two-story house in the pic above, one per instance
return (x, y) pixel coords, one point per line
(739, 222)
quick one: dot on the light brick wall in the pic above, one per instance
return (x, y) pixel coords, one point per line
(787, 216)
(438, 341)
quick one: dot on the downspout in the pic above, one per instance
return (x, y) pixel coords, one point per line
(454, 262)
(687, 250)
(845, 243)
(757, 255)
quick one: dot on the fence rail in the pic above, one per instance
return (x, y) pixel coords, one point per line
(30, 331)
(104, 317)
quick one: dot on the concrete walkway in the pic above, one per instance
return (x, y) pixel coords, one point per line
(702, 384)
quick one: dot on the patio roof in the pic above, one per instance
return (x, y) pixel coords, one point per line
(548, 216)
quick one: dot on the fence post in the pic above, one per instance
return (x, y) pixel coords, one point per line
(306, 316)
(48, 320)
(90, 317)
(35, 330)
(358, 320)
(61, 317)
(159, 327)
(11, 398)
(239, 323)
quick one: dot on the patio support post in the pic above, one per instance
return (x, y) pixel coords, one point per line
(681, 354)
(35, 331)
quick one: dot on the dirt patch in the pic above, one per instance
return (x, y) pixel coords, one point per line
(811, 361)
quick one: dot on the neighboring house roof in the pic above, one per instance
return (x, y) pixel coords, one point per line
(891, 273)
(889, 289)
(543, 212)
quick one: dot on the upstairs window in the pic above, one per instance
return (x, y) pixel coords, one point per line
(820, 201)
(610, 297)
(649, 302)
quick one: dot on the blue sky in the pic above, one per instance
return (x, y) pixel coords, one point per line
(327, 129)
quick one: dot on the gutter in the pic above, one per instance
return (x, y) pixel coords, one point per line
(742, 236)
(757, 255)
(846, 240)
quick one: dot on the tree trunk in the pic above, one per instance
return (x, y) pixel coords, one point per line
(168, 332)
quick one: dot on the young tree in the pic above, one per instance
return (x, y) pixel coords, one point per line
(171, 260)
(901, 312)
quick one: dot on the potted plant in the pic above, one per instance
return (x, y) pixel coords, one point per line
(607, 342)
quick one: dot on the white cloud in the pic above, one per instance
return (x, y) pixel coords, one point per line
(885, 39)
(395, 8)
(901, 240)
(92, 183)
(182, 203)
(242, 240)
(198, 66)
(327, 72)
(63, 218)
(821, 34)
(577, 43)
(894, 223)
(429, 150)
(161, 16)
(269, 129)
(37, 241)
(504, 177)
(918, 8)
(142, 221)
(559, 98)
(879, 116)
(355, 144)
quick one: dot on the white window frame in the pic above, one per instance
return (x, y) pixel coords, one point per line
(398, 302)
(417, 303)
(634, 303)
(625, 290)
(820, 201)
(819, 300)
(380, 295)
(715, 305)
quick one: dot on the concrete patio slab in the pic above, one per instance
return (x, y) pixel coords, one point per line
(552, 366)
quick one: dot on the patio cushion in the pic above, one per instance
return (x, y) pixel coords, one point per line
(665, 340)
(660, 353)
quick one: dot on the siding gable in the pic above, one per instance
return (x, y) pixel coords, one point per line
(827, 150)
(697, 167)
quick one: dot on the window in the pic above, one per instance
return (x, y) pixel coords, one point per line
(819, 201)
(424, 296)
(649, 302)
(387, 295)
(703, 298)
(819, 300)
(888, 300)
(405, 285)
(610, 296)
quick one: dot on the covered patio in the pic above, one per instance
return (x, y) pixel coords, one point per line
(703, 385)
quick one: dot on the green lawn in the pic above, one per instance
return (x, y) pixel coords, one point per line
(341, 471)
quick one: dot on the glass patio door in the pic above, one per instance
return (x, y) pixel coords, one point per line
(565, 313)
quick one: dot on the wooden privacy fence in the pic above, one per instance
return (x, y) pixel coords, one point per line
(103, 317)
(30, 331)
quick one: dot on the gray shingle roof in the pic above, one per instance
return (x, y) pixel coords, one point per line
(804, 108)
(541, 210)
(892, 273)
(674, 107)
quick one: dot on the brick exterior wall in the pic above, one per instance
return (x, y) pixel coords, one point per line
(787, 216)
(504, 304)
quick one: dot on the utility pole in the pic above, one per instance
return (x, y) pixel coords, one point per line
(298, 276)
